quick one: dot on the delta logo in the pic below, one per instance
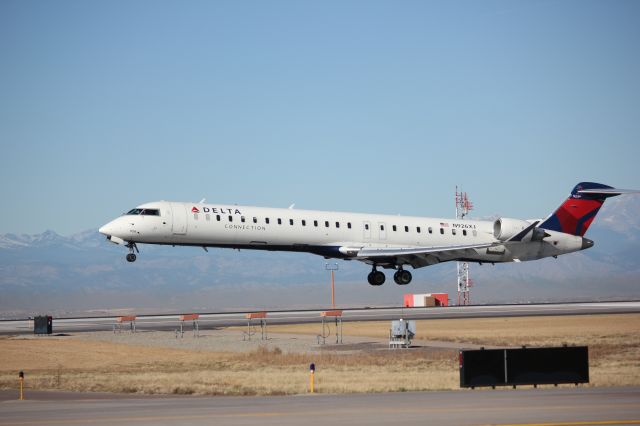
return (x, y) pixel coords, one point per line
(215, 210)
(575, 193)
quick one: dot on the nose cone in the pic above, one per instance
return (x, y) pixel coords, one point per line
(107, 229)
(586, 243)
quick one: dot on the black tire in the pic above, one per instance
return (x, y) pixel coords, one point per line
(131, 257)
(404, 277)
(378, 278)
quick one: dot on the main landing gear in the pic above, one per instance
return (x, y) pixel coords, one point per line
(401, 277)
(131, 257)
(376, 277)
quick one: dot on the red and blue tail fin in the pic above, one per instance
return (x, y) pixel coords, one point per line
(576, 214)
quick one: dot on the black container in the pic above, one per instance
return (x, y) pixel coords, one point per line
(43, 325)
(526, 366)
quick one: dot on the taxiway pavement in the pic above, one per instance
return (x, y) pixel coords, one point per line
(542, 406)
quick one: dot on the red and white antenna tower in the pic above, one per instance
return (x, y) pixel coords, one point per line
(463, 206)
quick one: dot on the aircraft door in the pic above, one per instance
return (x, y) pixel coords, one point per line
(179, 219)
(382, 230)
(366, 229)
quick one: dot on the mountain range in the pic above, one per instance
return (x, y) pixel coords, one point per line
(83, 273)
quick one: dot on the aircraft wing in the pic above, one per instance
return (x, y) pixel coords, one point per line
(418, 256)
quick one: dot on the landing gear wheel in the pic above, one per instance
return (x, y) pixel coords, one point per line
(131, 257)
(402, 277)
(376, 278)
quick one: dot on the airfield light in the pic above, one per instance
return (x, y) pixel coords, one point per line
(21, 378)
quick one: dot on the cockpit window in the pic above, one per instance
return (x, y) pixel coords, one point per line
(145, 212)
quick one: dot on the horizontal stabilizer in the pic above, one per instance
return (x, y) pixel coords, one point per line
(608, 191)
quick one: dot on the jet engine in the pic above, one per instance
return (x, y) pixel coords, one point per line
(505, 229)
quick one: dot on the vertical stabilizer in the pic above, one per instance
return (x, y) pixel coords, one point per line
(575, 215)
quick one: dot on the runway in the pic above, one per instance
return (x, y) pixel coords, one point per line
(568, 406)
(212, 320)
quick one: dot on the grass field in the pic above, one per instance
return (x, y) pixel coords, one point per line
(86, 365)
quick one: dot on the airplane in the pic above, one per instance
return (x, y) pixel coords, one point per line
(382, 241)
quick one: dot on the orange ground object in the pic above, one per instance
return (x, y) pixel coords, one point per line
(336, 313)
(408, 300)
(255, 315)
(127, 318)
(442, 299)
(420, 300)
(189, 317)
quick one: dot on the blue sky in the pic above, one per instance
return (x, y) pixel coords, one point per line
(370, 106)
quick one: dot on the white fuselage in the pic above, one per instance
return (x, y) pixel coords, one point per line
(330, 234)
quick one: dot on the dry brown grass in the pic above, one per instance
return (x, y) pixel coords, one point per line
(124, 368)
(514, 331)
(82, 365)
(613, 340)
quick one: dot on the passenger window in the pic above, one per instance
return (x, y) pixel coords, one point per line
(464, 232)
(453, 231)
(406, 229)
(255, 220)
(442, 231)
(382, 227)
(266, 220)
(326, 223)
(366, 226)
(394, 228)
(290, 221)
(242, 219)
(315, 223)
(230, 218)
(304, 222)
(418, 229)
(349, 225)
(279, 221)
(218, 217)
(430, 230)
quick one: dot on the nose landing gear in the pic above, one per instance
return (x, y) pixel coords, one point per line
(131, 257)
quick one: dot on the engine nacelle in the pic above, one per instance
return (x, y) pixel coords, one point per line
(505, 228)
